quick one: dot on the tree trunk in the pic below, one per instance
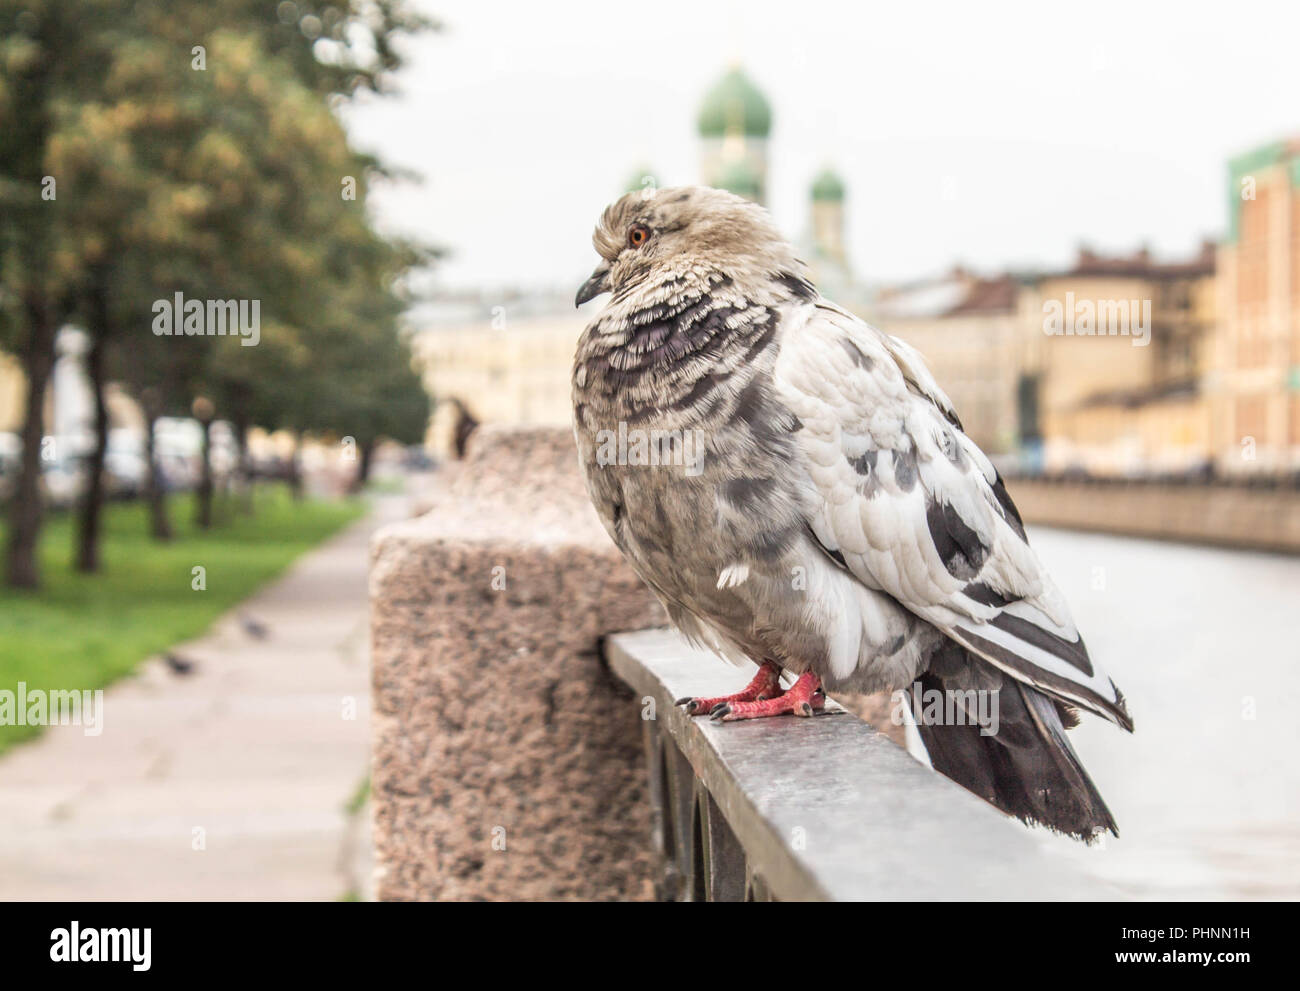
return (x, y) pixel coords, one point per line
(29, 120)
(92, 500)
(160, 526)
(203, 494)
(363, 466)
(245, 494)
(25, 510)
(295, 467)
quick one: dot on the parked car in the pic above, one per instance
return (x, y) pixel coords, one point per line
(124, 464)
(124, 474)
(62, 480)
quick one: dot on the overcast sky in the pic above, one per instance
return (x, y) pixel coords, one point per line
(994, 134)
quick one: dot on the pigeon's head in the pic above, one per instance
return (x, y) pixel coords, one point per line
(686, 232)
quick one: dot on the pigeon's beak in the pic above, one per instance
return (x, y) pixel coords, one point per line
(594, 286)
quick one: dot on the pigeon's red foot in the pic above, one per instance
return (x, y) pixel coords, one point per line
(766, 685)
(804, 698)
(763, 697)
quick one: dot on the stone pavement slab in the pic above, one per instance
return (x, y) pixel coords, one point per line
(230, 782)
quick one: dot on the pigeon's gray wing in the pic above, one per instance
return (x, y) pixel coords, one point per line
(916, 510)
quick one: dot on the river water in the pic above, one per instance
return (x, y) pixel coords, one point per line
(1204, 643)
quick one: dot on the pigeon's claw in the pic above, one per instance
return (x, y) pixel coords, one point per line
(766, 685)
(805, 697)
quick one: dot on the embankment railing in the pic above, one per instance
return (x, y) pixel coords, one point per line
(821, 809)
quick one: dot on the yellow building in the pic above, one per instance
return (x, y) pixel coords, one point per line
(504, 368)
(1114, 362)
(13, 393)
(1101, 368)
(1257, 385)
(968, 330)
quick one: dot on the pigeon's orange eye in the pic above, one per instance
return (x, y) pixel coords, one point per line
(637, 235)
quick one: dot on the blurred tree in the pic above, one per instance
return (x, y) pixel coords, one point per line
(288, 168)
(382, 397)
(202, 157)
(49, 50)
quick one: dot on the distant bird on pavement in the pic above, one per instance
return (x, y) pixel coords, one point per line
(817, 506)
(253, 627)
(179, 665)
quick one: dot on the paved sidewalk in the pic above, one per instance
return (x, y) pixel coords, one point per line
(252, 757)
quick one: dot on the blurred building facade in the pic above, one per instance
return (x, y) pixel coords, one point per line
(1132, 396)
(13, 393)
(504, 363)
(1100, 369)
(968, 328)
(1257, 374)
(1117, 365)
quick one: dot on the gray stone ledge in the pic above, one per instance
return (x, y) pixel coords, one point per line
(874, 824)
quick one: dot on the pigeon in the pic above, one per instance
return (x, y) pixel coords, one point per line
(797, 490)
(255, 628)
(178, 664)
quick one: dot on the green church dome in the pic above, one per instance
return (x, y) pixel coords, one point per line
(828, 187)
(737, 177)
(735, 104)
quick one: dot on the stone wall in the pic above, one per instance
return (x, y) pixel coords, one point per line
(507, 759)
(1233, 515)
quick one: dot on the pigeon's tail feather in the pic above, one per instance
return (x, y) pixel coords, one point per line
(1026, 768)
